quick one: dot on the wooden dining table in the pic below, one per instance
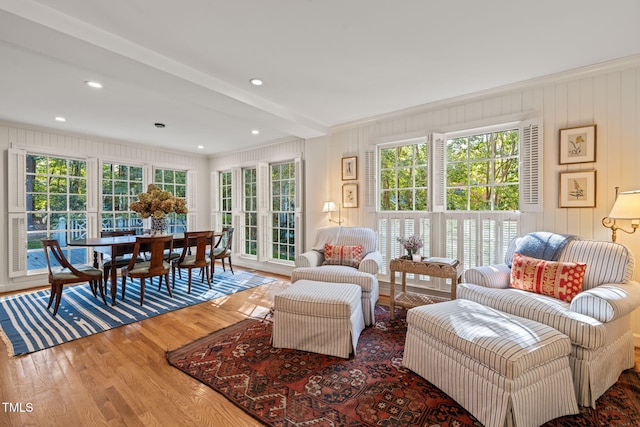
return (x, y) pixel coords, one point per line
(116, 246)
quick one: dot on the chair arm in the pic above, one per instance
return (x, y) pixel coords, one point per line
(371, 263)
(310, 259)
(489, 276)
(607, 302)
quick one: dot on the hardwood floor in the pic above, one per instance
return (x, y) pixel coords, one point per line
(121, 377)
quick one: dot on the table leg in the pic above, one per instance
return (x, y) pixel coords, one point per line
(114, 276)
(392, 296)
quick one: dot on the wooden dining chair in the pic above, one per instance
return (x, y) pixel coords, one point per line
(122, 258)
(198, 240)
(156, 266)
(222, 249)
(68, 274)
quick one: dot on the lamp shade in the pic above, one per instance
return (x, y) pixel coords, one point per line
(330, 207)
(626, 206)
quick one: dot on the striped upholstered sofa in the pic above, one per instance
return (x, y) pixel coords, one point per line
(310, 265)
(597, 320)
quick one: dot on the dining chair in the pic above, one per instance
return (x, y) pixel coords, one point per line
(121, 256)
(68, 274)
(222, 249)
(156, 266)
(200, 240)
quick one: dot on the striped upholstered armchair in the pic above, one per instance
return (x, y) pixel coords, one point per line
(597, 319)
(353, 258)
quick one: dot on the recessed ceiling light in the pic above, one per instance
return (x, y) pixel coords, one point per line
(201, 147)
(256, 82)
(255, 132)
(60, 119)
(96, 85)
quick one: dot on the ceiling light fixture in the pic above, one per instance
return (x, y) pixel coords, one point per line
(159, 125)
(256, 82)
(201, 147)
(60, 119)
(96, 85)
(255, 132)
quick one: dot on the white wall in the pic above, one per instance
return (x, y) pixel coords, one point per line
(73, 145)
(608, 96)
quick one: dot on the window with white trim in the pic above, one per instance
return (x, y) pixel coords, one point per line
(283, 205)
(175, 182)
(250, 213)
(56, 206)
(225, 198)
(461, 192)
(121, 185)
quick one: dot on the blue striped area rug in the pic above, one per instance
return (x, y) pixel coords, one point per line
(27, 326)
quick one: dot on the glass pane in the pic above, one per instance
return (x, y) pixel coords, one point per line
(169, 176)
(158, 176)
(36, 183)
(135, 173)
(479, 147)
(506, 198)
(58, 185)
(387, 158)
(37, 221)
(457, 174)
(78, 168)
(58, 203)
(480, 172)
(457, 149)
(388, 200)
(405, 201)
(405, 178)
(57, 166)
(181, 177)
(480, 198)
(506, 171)
(37, 202)
(405, 155)
(421, 199)
(78, 203)
(457, 199)
(106, 171)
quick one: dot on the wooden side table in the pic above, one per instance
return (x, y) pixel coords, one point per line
(446, 268)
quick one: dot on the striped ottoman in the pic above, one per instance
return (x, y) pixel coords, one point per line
(319, 317)
(503, 369)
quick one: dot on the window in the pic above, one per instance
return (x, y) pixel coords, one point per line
(175, 182)
(56, 206)
(482, 172)
(225, 198)
(120, 186)
(283, 205)
(403, 177)
(250, 211)
(462, 193)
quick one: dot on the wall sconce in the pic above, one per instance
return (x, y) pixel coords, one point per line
(626, 206)
(331, 207)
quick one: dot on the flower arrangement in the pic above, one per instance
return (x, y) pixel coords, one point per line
(411, 244)
(157, 203)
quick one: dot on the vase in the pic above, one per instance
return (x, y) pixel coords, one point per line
(158, 226)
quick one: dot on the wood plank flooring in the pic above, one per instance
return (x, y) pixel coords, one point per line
(121, 377)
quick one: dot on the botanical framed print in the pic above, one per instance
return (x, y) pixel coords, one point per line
(578, 145)
(578, 189)
(349, 168)
(350, 195)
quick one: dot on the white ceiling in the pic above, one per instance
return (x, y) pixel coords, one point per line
(324, 62)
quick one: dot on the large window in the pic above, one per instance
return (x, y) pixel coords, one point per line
(283, 189)
(403, 177)
(482, 172)
(250, 211)
(120, 186)
(56, 205)
(175, 182)
(226, 198)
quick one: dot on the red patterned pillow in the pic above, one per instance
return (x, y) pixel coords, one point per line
(561, 280)
(342, 255)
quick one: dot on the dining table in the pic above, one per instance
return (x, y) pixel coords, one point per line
(117, 246)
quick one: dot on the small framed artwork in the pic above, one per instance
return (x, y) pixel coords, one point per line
(349, 168)
(350, 195)
(578, 145)
(578, 189)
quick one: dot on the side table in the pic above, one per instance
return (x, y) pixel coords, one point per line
(446, 268)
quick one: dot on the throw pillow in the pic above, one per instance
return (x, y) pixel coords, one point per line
(561, 280)
(342, 255)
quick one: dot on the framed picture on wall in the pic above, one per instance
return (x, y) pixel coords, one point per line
(350, 195)
(349, 168)
(578, 145)
(578, 189)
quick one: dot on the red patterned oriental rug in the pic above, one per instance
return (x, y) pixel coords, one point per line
(282, 387)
